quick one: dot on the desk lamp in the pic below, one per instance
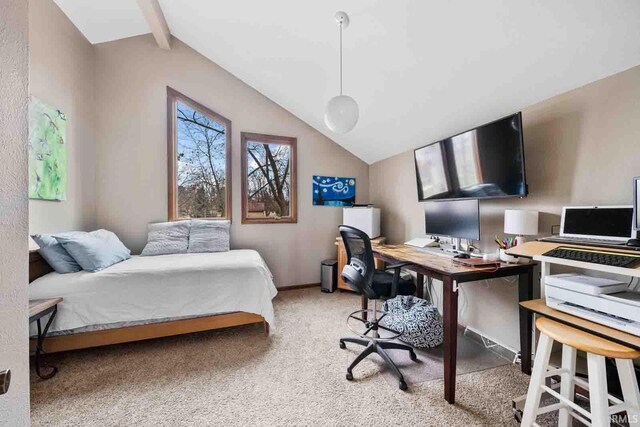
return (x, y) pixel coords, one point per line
(521, 223)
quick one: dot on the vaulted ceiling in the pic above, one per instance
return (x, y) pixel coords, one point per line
(420, 70)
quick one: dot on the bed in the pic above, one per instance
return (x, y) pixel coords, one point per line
(151, 297)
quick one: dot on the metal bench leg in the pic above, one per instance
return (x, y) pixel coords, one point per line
(39, 342)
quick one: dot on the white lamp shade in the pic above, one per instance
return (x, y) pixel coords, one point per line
(521, 222)
(341, 114)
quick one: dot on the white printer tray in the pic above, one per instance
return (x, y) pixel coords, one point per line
(606, 305)
(586, 284)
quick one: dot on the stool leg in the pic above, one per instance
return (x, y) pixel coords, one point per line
(537, 380)
(630, 392)
(567, 387)
(598, 395)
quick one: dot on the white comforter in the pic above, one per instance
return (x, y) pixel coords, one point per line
(147, 289)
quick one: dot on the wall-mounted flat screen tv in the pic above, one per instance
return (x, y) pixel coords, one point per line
(483, 163)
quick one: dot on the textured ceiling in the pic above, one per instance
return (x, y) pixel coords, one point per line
(105, 20)
(420, 70)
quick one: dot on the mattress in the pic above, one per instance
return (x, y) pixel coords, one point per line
(151, 289)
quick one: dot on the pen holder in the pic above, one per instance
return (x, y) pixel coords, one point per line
(504, 257)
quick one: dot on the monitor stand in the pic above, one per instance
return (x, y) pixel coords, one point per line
(459, 249)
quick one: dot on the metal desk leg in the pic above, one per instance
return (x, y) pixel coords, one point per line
(420, 285)
(525, 293)
(41, 336)
(450, 310)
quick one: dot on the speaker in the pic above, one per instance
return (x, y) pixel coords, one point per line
(329, 275)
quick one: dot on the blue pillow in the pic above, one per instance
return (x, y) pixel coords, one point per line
(94, 251)
(56, 255)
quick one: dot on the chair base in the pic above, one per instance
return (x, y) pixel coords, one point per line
(380, 348)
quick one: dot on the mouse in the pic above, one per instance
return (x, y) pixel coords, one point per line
(462, 256)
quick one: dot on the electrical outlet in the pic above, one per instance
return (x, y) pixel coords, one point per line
(5, 381)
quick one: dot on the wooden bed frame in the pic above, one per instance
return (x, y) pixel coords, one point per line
(38, 267)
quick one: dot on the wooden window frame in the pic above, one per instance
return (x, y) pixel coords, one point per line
(293, 196)
(173, 96)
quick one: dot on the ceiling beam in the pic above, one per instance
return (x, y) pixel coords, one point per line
(157, 24)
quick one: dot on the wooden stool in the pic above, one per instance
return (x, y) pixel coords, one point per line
(597, 349)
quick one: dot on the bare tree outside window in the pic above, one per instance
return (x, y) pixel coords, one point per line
(199, 160)
(269, 184)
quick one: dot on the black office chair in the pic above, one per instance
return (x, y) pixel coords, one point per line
(361, 276)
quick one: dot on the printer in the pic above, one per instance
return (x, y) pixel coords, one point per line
(606, 301)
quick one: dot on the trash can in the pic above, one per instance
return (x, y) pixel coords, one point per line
(328, 275)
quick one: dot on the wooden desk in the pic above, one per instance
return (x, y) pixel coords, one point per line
(442, 268)
(537, 249)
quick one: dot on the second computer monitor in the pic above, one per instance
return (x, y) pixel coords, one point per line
(457, 218)
(636, 203)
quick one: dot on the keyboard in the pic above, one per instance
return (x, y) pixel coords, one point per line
(614, 259)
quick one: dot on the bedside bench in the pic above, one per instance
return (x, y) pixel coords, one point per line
(39, 308)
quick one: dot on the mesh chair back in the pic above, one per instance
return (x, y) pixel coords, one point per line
(358, 273)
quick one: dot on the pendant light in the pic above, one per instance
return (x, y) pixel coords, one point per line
(341, 113)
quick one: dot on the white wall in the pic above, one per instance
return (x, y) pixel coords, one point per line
(14, 72)
(131, 78)
(63, 74)
(581, 147)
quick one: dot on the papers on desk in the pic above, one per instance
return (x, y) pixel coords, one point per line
(423, 242)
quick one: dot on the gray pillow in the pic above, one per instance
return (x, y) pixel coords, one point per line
(209, 236)
(94, 251)
(165, 238)
(55, 254)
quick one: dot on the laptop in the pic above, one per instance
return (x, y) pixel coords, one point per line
(595, 225)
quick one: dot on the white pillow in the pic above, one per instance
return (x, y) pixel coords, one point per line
(94, 251)
(209, 236)
(165, 238)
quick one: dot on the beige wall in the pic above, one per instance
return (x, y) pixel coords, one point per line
(14, 210)
(62, 74)
(581, 148)
(132, 76)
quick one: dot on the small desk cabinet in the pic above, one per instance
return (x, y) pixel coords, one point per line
(342, 259)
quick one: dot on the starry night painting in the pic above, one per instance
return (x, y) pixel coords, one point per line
(333, 191)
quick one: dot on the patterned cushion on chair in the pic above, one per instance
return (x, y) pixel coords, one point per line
(417, 318)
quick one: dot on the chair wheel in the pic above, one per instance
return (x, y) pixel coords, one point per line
(342, 345)
(350, 376)
(403, 386)
(413, 356)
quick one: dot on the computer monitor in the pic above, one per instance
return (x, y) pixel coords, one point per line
(454, 218)
(634, 242)
(636, 205)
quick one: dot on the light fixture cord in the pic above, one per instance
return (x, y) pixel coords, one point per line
(340, 58)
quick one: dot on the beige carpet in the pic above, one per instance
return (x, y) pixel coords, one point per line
(240, 377)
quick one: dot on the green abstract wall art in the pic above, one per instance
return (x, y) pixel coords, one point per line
(47, 151)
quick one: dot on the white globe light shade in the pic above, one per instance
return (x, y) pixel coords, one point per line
(341, 114)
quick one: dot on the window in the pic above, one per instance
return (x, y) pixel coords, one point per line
(432, 169)
(467, 159)
(269, 183)
(199, 160)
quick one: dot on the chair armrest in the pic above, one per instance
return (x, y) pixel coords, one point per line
(399, 265)
(396, 276)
